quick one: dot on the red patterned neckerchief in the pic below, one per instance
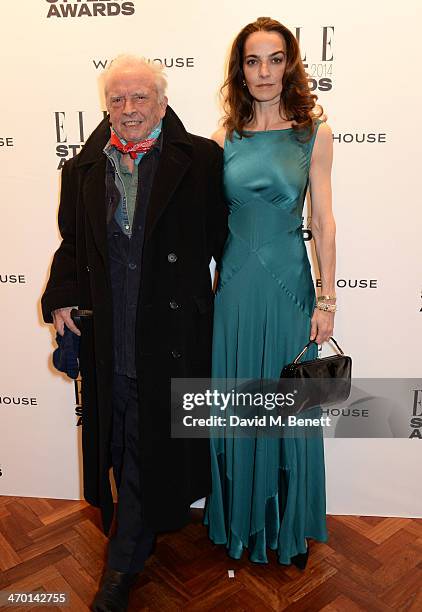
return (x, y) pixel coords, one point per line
(133, 148)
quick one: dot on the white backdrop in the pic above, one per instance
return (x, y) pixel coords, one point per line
(364, 70)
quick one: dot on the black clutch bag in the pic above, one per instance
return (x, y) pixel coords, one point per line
(317, 382)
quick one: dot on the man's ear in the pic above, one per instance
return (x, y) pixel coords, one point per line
(163, 105)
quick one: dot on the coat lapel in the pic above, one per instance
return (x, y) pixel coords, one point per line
(173, 165)
(94, 195)
(92, 161)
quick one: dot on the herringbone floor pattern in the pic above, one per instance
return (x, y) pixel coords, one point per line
(371, 564)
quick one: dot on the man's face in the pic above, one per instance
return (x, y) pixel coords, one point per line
(133, 104)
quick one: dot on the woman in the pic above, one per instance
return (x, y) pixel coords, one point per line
(270, 492)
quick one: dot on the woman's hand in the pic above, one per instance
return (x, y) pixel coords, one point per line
(322, 326)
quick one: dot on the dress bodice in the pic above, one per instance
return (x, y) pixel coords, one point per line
(266, 175)
(268, 169)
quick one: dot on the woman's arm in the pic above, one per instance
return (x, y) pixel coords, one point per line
(323, 228)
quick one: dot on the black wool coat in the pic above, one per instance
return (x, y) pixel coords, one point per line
(186, 225)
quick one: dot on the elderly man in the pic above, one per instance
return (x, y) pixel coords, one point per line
(141, 215)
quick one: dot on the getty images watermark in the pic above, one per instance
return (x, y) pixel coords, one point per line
(369, 408)
(227, 401)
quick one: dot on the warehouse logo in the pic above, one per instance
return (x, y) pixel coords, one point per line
(13, 279)
(317, 56)
(416, 419)
(353, 283)
(89, 8)
(6, 141)
(166, 62)
(71, 133)
(361, 137)
(9, 400)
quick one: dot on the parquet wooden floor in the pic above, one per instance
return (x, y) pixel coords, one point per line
(370, 563)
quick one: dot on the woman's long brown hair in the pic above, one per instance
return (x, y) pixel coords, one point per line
(296, 101)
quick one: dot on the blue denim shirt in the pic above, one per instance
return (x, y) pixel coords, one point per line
(122, 214)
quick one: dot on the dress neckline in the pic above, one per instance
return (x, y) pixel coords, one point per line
(266, 131)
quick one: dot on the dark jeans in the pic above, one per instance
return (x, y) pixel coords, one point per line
(132, 542)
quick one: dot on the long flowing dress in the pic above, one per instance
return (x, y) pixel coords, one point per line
(266, 492)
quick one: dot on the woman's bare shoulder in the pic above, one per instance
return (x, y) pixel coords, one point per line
(323, 139)
(323, 148)
(219, 136)
(324, 131)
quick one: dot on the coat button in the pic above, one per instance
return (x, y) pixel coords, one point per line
(132, 266)
(176, 354)
(174, 305)
(87, 268)
(172, 257)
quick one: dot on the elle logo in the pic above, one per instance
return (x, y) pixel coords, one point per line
(320, 67)
(78, 400)
(416, 420)
(71, 133)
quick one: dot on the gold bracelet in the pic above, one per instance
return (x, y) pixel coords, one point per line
(322, 298)
(326, 307)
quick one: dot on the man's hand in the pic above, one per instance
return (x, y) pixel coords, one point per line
(61, 317)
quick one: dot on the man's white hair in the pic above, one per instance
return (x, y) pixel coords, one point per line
(136, 62)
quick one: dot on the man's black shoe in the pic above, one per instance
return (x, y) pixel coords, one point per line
(113, 593)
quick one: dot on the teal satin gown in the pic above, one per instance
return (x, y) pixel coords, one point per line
(266, 492)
